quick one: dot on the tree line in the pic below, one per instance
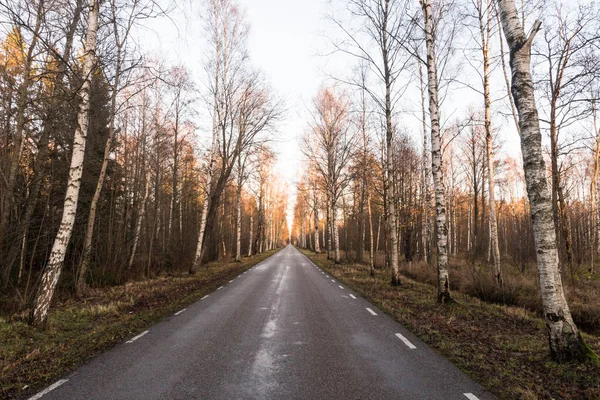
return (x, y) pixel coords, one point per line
(106, 173)
(393, 166)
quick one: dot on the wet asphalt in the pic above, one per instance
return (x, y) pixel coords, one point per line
(282, 330)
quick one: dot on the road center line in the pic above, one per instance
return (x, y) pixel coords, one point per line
(180, 311)
(471, 396)
(371, 311)
(133, 339)
(48, 389)
(353, 296)
(406, 342)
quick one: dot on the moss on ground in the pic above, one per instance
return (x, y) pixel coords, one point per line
(503, 348)
(79, 329)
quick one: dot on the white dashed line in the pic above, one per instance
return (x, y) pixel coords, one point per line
(471, 396)
(220, 287)
(406, 342)
(231, 281)
(48, 389)
(180, 311)
(327, 276)
(133, 339)
(340, 286)
(353, 296)
(371, 311)
(204, 297)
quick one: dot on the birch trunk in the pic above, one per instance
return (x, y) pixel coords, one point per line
(138, 224)
(238, 247)
(426, 221)
(371, 244)
(250, 236)
(393, 242)
(316, 215)
(81, 285)
(52, 272)
(336, 236)
(485, 31)
(594, 219)
(443, 286)
(564, 338)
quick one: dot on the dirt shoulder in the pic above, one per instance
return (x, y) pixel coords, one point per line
(503, 348)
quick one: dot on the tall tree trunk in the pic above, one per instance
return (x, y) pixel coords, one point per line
(238, 247)
(250, 236)
(52, 272)
(485, 31)
(371, 249)
(564, 338)
(427, 198)
(389, 134)
(80, 285)
(138, 224)
(594, 219)
(316, 216)
(436, 162)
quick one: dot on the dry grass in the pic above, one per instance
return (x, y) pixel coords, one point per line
(520, 288)
(504, 348)
(79, 329)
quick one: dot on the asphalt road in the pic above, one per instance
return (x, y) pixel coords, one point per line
(282, 330)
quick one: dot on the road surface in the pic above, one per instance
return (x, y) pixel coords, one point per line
(282, 330)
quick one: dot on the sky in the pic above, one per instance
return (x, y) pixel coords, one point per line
(288, 42)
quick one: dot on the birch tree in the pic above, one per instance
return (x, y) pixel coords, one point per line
(51, 275)
(443, 281)
(563, 336)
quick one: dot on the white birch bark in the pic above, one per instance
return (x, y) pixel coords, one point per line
(485, 17)
(138, 223)
(250, 235)
(52, 272)
(436, 158)
(564, 339)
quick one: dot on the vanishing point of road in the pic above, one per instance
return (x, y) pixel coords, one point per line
(284, 329)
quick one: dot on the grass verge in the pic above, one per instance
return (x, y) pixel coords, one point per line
(79, 329)
(503, 348)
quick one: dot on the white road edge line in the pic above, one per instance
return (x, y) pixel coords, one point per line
(133, 339)
(353, 296)
(371, 311)
(340, 286)
(220, 287)
(471, 396)
(180, 311)
(204, 297)
(231, 280)
(48, 389)
(406, 341)
(333, 280)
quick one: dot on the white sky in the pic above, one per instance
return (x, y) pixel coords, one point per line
(287, 42)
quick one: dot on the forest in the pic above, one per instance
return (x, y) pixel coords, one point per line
(458, 147)
(104, 178)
